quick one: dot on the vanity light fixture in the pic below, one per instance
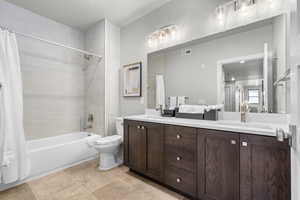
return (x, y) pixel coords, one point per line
(163, 35)
(234, 5)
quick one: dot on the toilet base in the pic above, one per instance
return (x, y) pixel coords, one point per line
(109, 161)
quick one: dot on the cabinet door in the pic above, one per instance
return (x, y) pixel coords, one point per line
(155, 150)
(218, 165)
(265, 169)
(136, 146)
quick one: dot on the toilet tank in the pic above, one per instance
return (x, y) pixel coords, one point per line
(119, 126)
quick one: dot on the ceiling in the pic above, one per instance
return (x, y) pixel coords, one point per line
(83, 13)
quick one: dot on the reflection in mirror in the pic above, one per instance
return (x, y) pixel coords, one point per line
(247, 64)
(243, 82)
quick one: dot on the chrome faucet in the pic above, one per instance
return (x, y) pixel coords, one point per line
(89, 125)
(244, 111)
(160, 109)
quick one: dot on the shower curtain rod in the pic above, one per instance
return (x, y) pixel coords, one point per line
(53, 43)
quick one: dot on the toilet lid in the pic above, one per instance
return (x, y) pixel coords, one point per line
(108, 139)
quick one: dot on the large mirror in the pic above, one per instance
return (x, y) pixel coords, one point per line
(248, 64)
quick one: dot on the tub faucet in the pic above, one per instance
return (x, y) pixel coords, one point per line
(89, 125)
(244, 111)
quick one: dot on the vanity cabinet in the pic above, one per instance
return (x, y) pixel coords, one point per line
(209, 164)
(218, 165)
(264, 168)
(136, 142)
(143, 150)
(180, 158)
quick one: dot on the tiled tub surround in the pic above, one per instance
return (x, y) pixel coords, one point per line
(53, 79)
(85, 182)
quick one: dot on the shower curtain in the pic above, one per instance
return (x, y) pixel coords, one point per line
(14, 165)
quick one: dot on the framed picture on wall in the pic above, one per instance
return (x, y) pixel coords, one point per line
(133, 80)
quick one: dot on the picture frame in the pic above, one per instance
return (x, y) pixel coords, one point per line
(132, 76)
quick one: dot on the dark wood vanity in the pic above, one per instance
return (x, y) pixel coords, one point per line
(209, 164)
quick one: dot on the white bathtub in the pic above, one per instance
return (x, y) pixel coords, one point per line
(52, 154)
(59, 152)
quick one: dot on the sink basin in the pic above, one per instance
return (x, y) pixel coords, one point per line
(246, 125)
(153, 117)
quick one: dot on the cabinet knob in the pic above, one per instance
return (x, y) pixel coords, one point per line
(138, 127)
(143, 127)
(233, 142)
(178, 158)
(178, 180)
(178, 136)
(244, 144)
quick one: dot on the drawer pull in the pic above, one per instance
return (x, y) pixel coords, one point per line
(178, 158)
(233, 142)
(178, 180)
(244, 144)
(178, 136)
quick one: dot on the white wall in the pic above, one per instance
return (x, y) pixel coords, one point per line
(195, 75)
(52, 77)
(294, 61)
(112, 67)
(95, 77)
(196, 19)
(102, 79)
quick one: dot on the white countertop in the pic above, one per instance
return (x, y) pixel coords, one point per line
(266, 129)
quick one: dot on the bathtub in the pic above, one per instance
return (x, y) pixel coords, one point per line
(55, 153)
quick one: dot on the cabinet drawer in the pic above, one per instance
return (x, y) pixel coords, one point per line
(181, 180)
(180, 159)
(181, 137)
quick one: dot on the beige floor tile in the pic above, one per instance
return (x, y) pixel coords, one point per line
(76, 191)
(86, 182)
(139, 195)
(114, 191)
(91, 178)
(46, 187)
(21, 192)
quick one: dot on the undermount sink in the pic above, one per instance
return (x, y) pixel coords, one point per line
(153, 117)
(248, 125)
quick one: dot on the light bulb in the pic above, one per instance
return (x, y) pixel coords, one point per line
(243, 6)
(173, 33)
(220, 13)
(162, 36)
(150, 42)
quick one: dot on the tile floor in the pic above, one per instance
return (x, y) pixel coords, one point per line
(85, 182)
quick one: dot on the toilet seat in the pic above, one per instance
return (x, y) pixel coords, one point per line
(109, 140)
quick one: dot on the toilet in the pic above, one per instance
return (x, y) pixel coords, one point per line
(109, 148)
